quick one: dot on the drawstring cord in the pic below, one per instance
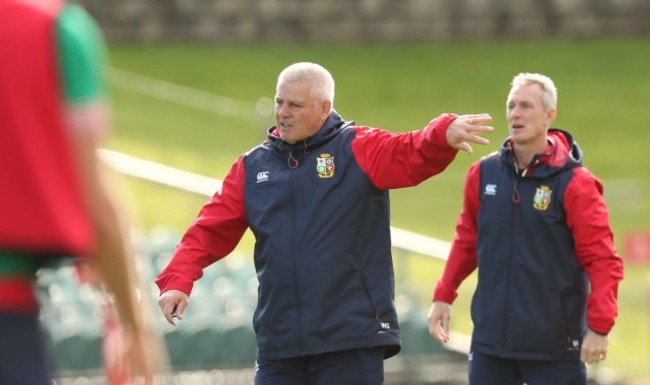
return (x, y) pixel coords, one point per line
(293, 162)
(516, 198)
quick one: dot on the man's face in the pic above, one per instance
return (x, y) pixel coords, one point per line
(298, 115)
(527, 120)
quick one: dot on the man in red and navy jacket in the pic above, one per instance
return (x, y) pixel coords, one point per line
(315, 195)
(535, 224)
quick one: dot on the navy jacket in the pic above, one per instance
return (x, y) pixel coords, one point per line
(532, 275)
(538, 237)
(320, 214)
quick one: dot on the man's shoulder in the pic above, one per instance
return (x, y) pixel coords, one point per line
(261, 151)
(488, 159)
(82, 54)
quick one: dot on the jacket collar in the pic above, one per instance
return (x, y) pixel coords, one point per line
(332, 126)
(562, 152)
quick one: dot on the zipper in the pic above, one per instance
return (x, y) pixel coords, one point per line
(294, 258)
(516, 198)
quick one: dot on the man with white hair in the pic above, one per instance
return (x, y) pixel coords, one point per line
(535, 224)
(315, 194)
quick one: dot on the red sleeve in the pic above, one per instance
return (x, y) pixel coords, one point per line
(395, 160)
(462, 257)
(588, 218)
(212, 235)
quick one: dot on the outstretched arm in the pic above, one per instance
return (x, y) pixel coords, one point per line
(396, 160)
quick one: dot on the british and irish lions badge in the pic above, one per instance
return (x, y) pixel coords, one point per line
(325, 166)
(542, 198)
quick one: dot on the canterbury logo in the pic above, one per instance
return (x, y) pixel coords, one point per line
(262, 176)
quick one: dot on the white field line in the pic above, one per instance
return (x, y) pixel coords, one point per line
(190, 97)
(159, 173)
(202, 185)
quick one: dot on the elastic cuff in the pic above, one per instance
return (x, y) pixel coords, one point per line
(444, 294)
(438, 128)
(599, 333)
(166, 284)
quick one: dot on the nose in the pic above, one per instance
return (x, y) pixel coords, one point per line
(282, 109)
(513, 112)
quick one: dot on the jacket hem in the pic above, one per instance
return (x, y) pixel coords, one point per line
(391, 345)
(528, 356)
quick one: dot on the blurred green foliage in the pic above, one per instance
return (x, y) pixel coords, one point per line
(603, 87)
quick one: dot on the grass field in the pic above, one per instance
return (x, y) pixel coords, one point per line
(603, 87)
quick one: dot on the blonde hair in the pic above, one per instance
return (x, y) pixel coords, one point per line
(549, 92)
(323, 89)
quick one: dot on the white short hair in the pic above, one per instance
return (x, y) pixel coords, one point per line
(549, 92)
(323, 89)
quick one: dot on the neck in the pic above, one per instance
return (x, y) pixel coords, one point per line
(524, 153)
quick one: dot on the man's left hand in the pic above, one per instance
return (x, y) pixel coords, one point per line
(594, 347)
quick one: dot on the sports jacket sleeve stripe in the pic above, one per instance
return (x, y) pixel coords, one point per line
(215, 233)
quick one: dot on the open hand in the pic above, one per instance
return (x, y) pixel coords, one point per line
(464, 129)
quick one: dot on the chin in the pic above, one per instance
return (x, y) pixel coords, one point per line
(288, 139)
(517, 137)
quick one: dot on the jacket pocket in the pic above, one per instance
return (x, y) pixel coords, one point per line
(574, 302)
(373, 306)
(480, 333)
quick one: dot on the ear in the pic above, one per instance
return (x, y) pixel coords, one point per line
(326, 109)
(550, 116)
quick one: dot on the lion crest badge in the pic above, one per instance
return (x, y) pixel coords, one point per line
(325, 166)
(542, 198)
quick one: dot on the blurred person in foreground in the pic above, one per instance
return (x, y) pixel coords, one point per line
(315, 194)
(53, 201)
(535, 224)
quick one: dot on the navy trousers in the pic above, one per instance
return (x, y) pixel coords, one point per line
(490, 370)
(347, 367)
(23, 357)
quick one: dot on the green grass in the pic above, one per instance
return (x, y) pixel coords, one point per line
(603, 87)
